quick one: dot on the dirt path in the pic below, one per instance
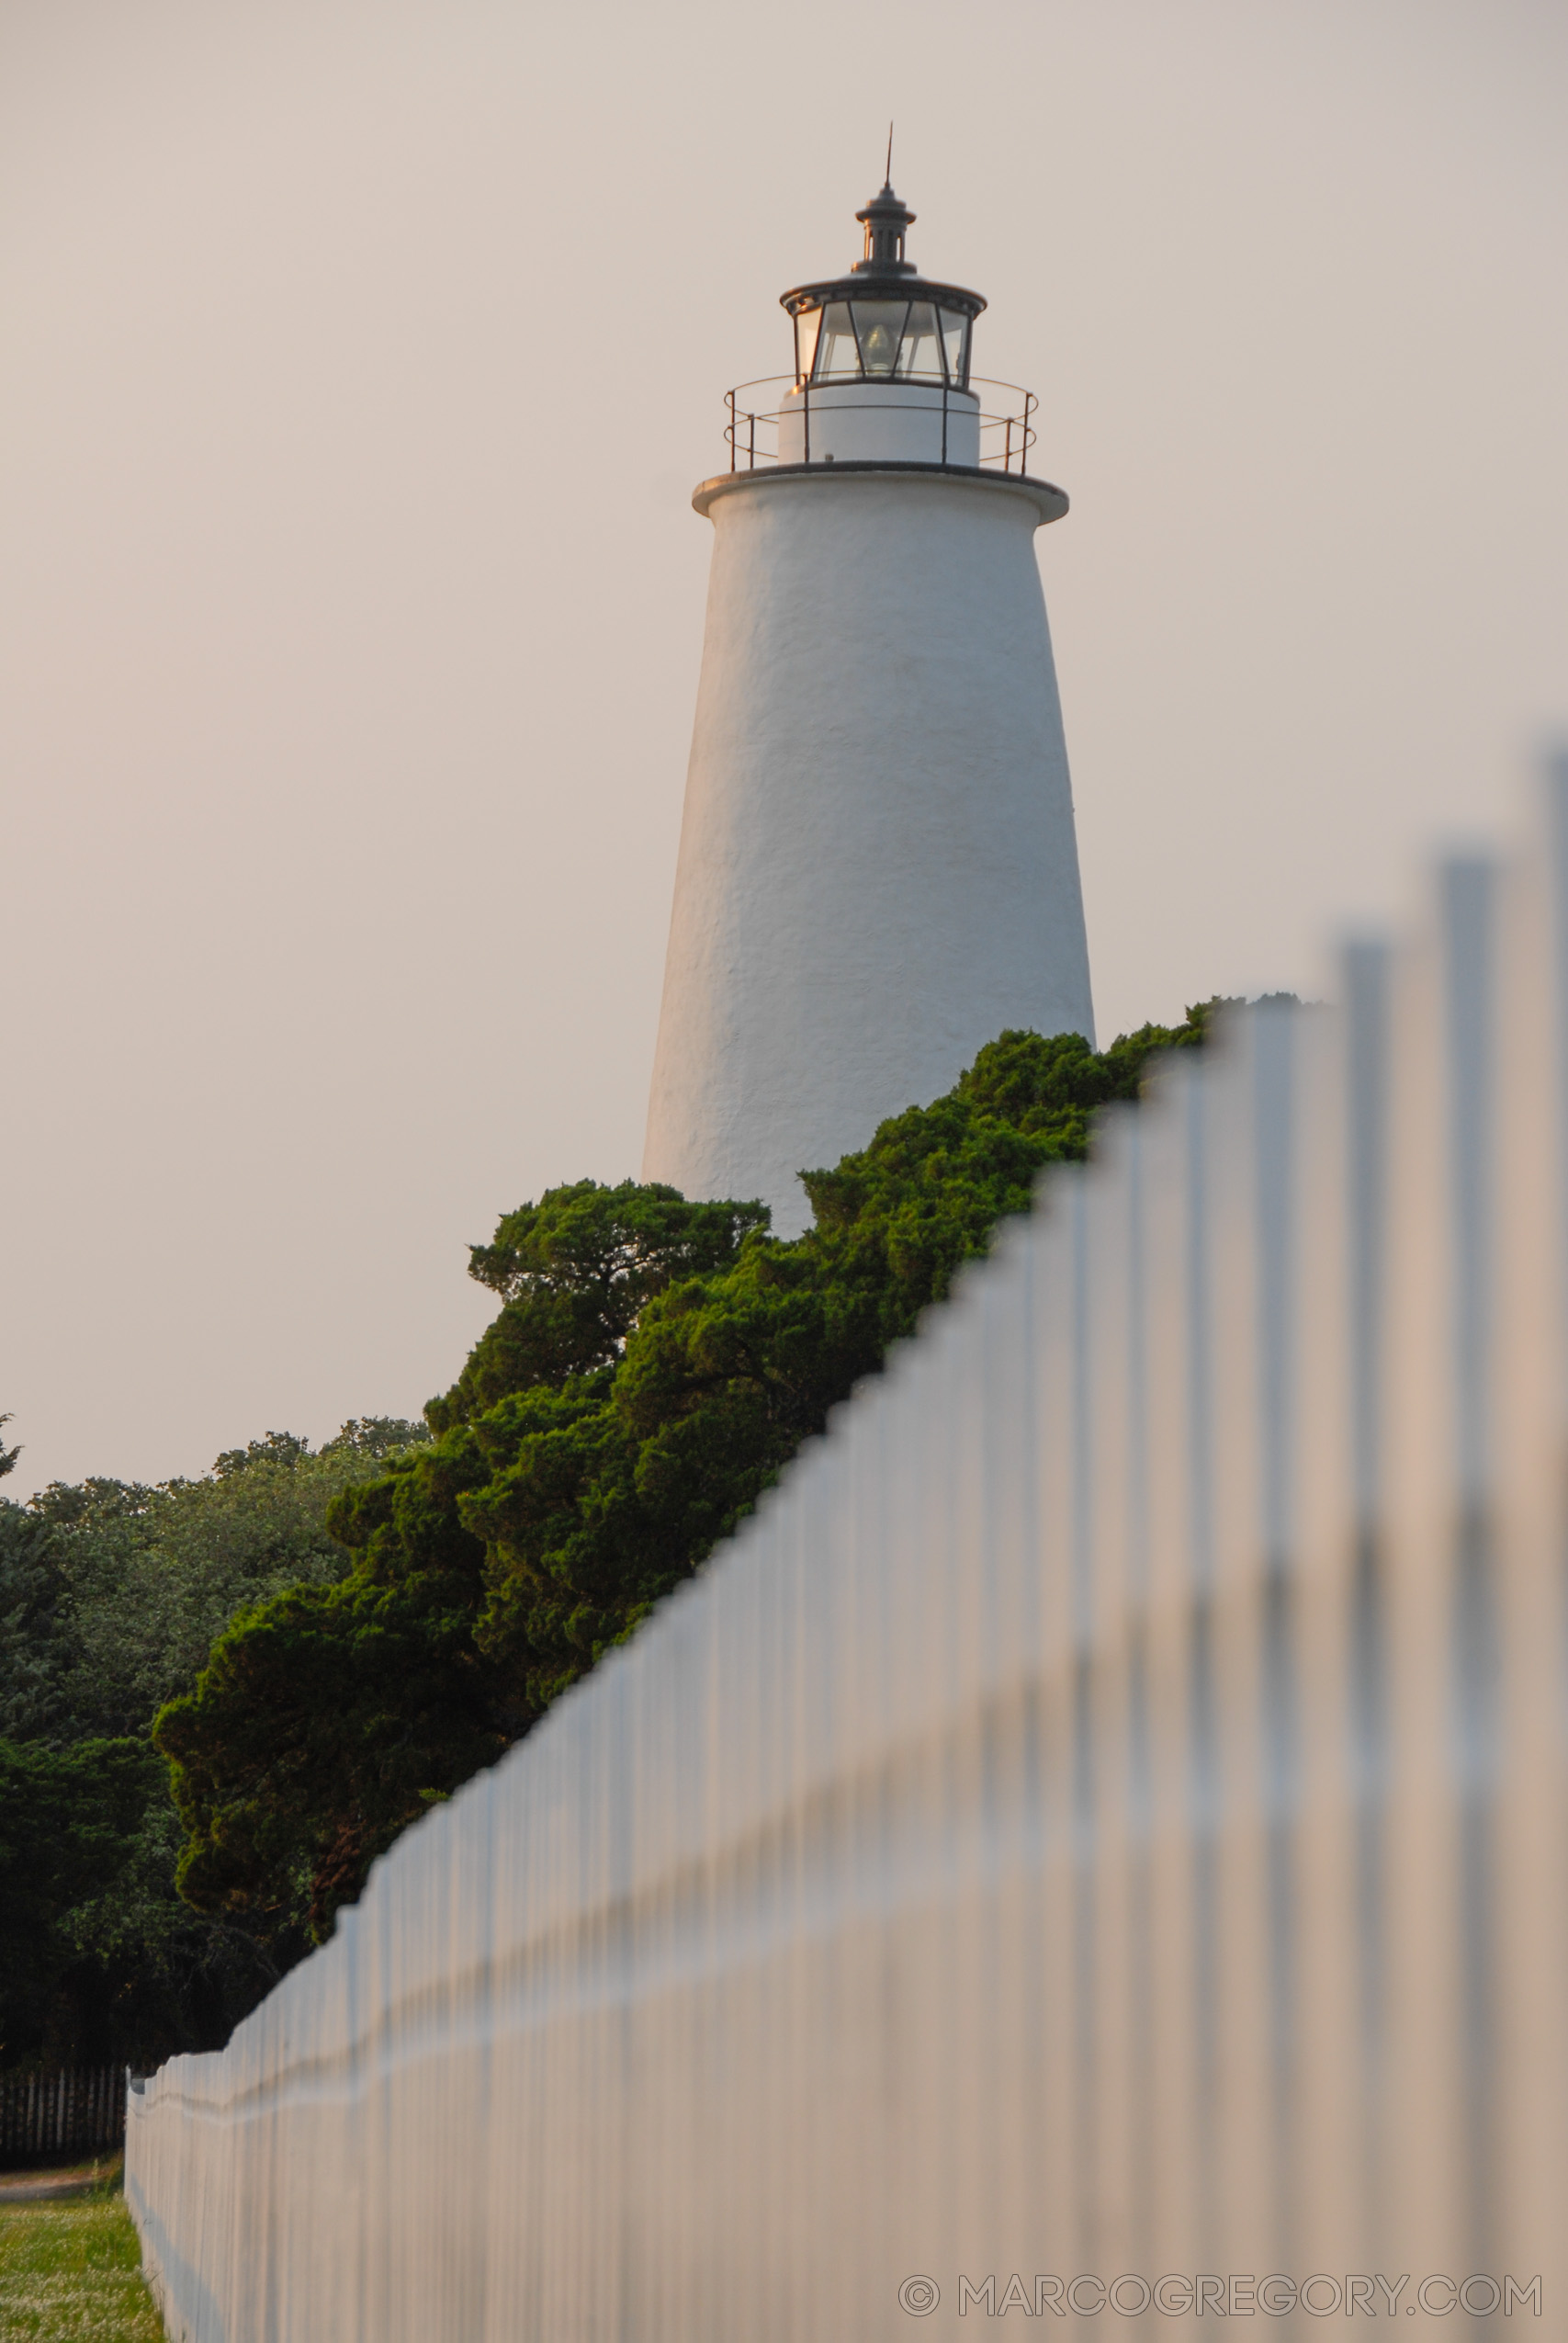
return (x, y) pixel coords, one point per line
(66, 2180)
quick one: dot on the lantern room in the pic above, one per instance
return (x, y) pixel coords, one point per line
(881, 359)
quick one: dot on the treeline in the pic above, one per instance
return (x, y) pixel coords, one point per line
(111, 1594)
(324, 1644)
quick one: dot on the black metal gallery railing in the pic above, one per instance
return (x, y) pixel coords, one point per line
(752, 432)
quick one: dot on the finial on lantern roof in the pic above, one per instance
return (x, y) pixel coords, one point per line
(885, 219)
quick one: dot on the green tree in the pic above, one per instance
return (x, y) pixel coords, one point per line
(329, 1718)
(111, 1596)
(68, 1825)
(654, 1365)
(151, 1575)
(574, 1272)
(34, 1649)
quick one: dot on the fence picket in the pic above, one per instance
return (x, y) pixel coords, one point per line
(66, 2111)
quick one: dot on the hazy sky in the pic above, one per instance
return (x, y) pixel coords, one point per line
(358, 363)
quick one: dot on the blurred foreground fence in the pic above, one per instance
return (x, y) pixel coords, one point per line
(1093, 1845)
(68, 2110)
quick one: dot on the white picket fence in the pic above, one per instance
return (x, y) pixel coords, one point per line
(1092, 1845)
(56, 2111)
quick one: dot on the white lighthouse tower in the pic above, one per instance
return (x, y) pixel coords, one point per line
(879, 870)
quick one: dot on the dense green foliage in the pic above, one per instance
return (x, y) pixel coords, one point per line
(111, 1594)
(653, 1366)
(69, 1822)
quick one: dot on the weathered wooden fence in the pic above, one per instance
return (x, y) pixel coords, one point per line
(67, 2111)
(1095, 1843)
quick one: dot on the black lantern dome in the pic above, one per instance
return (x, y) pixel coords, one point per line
(883, 322)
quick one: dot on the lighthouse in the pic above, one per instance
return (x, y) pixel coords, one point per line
(878, 867)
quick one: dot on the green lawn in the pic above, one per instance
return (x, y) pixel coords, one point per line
(71, 2273)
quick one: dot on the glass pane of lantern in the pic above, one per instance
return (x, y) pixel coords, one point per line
(836, 351)
(881, 327)
(954, 331)
(921, 353)
(807, 328)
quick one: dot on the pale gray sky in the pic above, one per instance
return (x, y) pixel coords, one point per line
(359, 358)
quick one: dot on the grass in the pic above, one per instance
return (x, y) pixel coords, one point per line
(71, 2272)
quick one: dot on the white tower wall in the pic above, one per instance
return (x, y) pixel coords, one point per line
(878, 869)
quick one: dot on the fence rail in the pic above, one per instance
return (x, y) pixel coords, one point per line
(1095, 1843)
(66, 2111)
